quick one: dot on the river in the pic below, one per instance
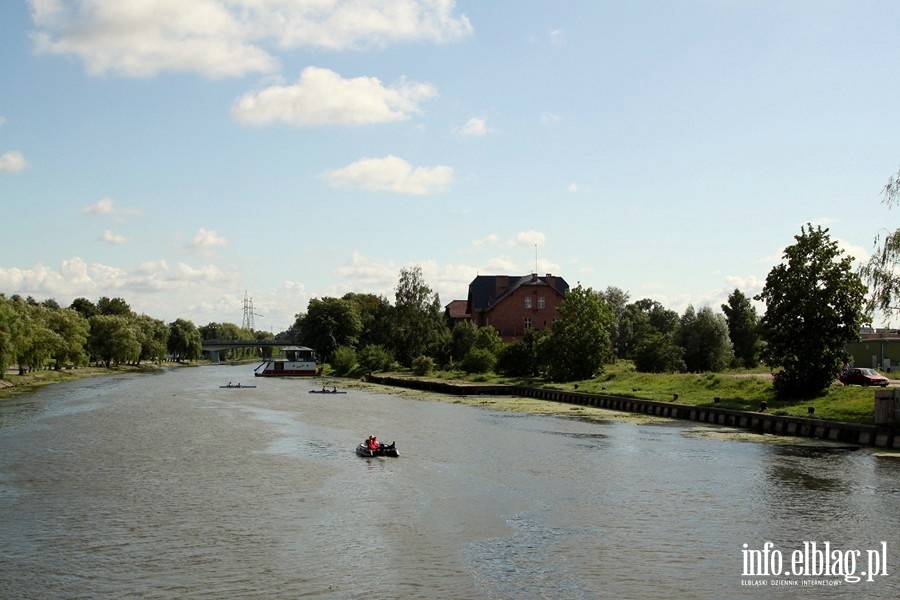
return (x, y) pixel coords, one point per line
(168, 486)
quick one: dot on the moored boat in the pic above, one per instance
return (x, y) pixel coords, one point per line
(383, 450)
(297, 361)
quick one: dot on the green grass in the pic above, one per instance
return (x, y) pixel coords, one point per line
(737, 389)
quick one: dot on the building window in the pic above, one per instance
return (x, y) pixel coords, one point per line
(540, 302)
(527, 323)
(527, 301)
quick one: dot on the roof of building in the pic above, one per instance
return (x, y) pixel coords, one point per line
(457, 309)
(483, 295)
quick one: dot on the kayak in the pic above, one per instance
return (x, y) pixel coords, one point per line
(237, 386)
(326, 392)
(384, 450)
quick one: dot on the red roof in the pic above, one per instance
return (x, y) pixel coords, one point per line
(457, 309)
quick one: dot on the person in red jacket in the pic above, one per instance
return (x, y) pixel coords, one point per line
(372, 443)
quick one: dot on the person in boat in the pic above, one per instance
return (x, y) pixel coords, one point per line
(323, 388)
(334, 389)
(372, 443)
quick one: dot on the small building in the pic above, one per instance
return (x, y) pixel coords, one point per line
(456, 312)
(512, 305)
(878, 349)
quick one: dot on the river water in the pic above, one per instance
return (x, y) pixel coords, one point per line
(167, 486)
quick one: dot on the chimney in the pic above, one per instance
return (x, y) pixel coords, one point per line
(549, 279)
(501, 285)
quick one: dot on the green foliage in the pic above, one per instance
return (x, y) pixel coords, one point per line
(73, 331)
(114, 339)
(814, 307)
(343, 360)
(479, 360)
(113, 306)
(704, 337)
(184, 340)
(423, 365)
(462, 336)
(328, 324)
(743, 329)
(154, 338)
(641, 320)
(418, 327)
(526, 358)
(579, 342)
(659, 353)
(374, 357)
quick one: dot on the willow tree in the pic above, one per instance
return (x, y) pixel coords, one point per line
(882, 272)
(814, 307)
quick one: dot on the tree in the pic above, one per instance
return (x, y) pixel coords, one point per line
(113, 306)
(153, 336)
(184, 340)
(617, 300)
(84, 307)
(115, 339)
(643, 325)
(814, 307)
(73, 331)
(579, 342)
(743, 329)
(375, 317)
(882, 272)
(657, 352)
(462, 336)
(418, 325)
(328, 324)
(525, 358)
(10, 333)
(704, 336)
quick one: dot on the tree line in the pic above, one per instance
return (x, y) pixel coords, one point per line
(814, 306)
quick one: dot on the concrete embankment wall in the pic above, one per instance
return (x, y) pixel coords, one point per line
(851, 433)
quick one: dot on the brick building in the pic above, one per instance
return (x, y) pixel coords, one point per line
(513, 305)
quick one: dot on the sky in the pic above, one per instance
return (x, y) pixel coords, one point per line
(184, 155)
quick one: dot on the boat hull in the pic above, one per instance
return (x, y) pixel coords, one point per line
(385, 450)
(288, 368)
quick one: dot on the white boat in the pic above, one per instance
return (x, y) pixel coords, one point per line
(295, 361)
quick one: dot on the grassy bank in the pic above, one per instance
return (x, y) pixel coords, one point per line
(739, 390)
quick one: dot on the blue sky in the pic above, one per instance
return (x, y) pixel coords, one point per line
(179, 154)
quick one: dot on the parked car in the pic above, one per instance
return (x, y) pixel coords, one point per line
(863, 377)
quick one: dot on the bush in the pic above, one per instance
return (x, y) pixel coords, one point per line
(374, 358)
(423, 365)
(344, 360)
(479, 360)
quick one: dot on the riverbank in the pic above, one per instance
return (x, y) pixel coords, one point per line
(758, 422)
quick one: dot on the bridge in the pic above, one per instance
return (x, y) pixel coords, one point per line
(214, 347)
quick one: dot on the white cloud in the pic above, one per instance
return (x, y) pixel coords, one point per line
(475, 127)
(112, 238)
(104, 206)
(221, 38)
(490, 239)
(205, 239)
(13, 162)
(550, 118)
(528, 238)
(322, 97)
(155, 288)
(391, 174)
(573, 187)
(558, 37)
